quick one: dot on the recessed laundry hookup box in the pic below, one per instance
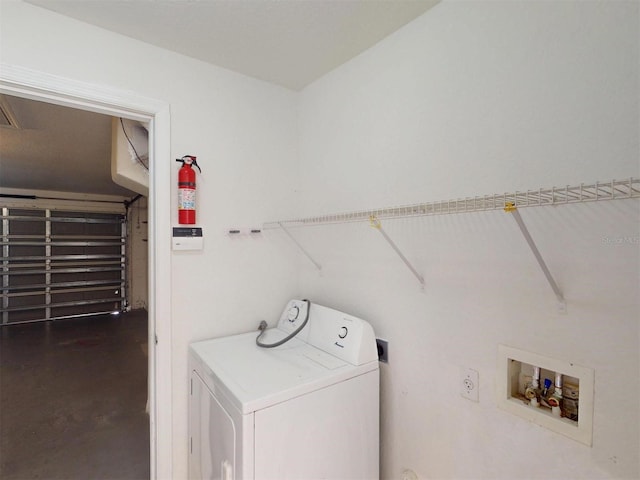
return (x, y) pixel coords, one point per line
(555, 394)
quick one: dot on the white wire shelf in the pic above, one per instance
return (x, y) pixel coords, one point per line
(509, 202)
(598, 191)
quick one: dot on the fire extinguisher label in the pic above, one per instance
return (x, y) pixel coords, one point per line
(186, 199)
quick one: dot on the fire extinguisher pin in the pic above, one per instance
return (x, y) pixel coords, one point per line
(189, 160)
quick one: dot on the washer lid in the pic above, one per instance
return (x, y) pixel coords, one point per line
(254, 378)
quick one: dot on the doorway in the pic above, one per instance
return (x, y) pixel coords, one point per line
(40, 86)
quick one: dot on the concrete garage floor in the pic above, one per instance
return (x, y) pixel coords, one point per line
(72, 399)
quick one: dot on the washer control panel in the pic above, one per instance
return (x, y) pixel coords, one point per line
(342, 335)
(347, 337)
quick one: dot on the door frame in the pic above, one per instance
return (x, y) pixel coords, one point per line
(40, 86)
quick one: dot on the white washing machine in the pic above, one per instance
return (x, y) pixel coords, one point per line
(307, 409)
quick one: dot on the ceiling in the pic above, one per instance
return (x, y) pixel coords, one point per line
(56, 148)
(287, 42)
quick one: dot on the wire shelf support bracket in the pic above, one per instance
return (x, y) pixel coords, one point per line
(510, 208)
(375, 223)
(300, 247)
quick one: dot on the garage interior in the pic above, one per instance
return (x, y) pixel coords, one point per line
(74, 354)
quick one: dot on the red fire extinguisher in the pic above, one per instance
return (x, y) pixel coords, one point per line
(187, 190)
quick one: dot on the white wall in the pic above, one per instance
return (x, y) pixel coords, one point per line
(475, 98)
(243, 133)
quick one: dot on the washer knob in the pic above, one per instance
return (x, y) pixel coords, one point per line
(293, 313)
(343, 332)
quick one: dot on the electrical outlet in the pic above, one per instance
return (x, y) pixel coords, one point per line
(469, 384)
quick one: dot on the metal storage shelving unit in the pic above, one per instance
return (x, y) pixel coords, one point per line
(60, 264)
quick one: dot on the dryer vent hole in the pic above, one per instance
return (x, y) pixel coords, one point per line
(383, 350)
